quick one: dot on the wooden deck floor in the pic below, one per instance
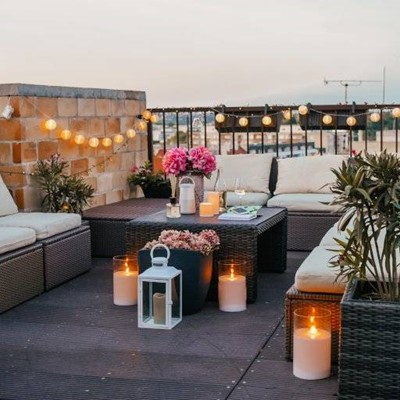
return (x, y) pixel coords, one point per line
(72, 343)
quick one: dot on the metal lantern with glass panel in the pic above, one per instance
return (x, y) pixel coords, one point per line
(160, 294)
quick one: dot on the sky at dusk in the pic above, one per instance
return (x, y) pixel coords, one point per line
(206, 52)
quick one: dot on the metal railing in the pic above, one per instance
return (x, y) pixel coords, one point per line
(287, 133)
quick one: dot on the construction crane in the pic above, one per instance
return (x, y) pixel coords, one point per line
(357, 82)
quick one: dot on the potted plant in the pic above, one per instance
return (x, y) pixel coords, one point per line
(368, 189)
(192, 253)
(62, 192)
(153, 184)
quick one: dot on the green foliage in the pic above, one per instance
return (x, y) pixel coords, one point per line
(368, 189)
(62, 193)
(145, 177)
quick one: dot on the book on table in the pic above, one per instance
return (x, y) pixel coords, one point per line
(240, 213)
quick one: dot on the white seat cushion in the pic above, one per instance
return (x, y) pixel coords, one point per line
(249, 199)
(15, 238)
(304, 202)
(316, 276)
(7, 204)
(310, 174)
(329, 237)
(44, 224)
(252, 169)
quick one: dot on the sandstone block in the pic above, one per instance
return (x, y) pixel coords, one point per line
(31, 129)
(98, 200)
(127, 123)
(5, 153)
(79, 125)
(67, 107)
(132, 107)
(27, 106)
(24, 152)
(114, 196)
(103, 107)
(86, 107)
(96, 126)
(46, 107)
(112, 126)
(120, 180)
(46, 149)
(80, 166)
(13, 176)
(113, 163)
(104, 183)
(92, 181)
(118, 108)
(28, 198)
(11, 129)
(68, 149)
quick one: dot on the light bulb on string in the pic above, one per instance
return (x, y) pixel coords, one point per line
(243, 122)
(65, 134)
(50, 124)
(118, 138)
(142, 125)
(220, 118)
(79, 139)
(351, 121)
(327, 119)
(303, 110)
(154, 118)
(106, 142)
(375, 117)
(94, 142)
(396, 112)
(146, 115)
(286, 114)
(266, 120)
(130, 133)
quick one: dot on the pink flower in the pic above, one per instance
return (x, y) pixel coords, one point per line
(202, 160)
(175, 160)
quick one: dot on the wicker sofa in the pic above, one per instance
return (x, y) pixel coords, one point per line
(38, 251)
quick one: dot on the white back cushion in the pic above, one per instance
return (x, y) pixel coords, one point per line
(307, 174)
(7, 205)
(252, 169)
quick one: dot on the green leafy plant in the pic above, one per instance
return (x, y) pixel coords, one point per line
(368, 190)
(144, 176)
(62, 192)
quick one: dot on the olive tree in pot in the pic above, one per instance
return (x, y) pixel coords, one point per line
(368, 189)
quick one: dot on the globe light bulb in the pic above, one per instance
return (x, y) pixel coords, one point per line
(50, 124)
(142, 125)
(106, 142)
(351, 121)
(243, 122)
(118, 139)
(79, 139)
(396, 112)
(303, 110)
(146, 115)
(266, 120)
(327, 119)
(154, 118)
(286, 115)
(375, 117)
(94, 142)
(220, 118)
(130, 133)
(65, 134)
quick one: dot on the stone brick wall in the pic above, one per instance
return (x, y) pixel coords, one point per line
(92, 112)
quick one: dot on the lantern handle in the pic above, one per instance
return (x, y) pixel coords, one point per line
(159, 245)
(186, 177)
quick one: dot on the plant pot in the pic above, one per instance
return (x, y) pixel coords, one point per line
(369, 360)
(162, 192)
(196, 275)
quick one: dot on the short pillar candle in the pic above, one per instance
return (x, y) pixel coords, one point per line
(125, 281)
(206, 210)
(312, 343)
(213, 198)
(232, 285)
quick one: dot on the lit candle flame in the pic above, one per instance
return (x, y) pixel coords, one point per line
(232, 277)
(313, 332)
(126, 267)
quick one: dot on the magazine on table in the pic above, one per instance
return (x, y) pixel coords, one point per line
(240, 213)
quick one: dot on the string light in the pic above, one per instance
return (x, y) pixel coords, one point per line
(146, 115)
(118, 138)
(303, 110)
(396, 112)
(286, 115)
(50, 124)
(106, 142)
(327, 119)
(130, 133)
(220, 118)
(154, 118)
(351, 121)
(142, 125)
(65, 134)
(243, 122)
(375, 117)
(79, 139)
(266, 120)
(94, 142)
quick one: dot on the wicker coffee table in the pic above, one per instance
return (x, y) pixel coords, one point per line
(261, 241)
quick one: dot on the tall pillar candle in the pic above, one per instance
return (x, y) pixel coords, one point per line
(206, 210)
(312, 344)
(213, 198)
(125, 278)
(159, 308)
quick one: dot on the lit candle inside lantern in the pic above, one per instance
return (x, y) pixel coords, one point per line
(159, 308)
(125, 286)
(213, 198)
(231, 290)
(312, 348)
(206, 209)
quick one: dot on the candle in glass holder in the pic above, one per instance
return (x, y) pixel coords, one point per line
(231, 285)
(213, 198)
(206, 210)
(125, 279)
(312, 343)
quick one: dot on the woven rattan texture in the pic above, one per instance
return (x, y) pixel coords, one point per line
(370, 349)
(238, 240)
(66, 255)
(21, 276)
(295, 299)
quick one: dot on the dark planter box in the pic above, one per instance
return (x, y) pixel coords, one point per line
(162, 192)
(196, 275)
(369, 360)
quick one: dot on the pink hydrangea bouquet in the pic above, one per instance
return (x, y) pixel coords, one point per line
(205, 241)
(180, 160)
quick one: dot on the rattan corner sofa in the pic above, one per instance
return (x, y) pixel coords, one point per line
(38, 251)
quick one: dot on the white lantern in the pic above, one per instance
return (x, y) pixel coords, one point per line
(266, 120)
(375, 117)
(303, 110)
(146, 115)
(327, 119)
(130, 133)
(160, 294)
(220, 118)
(351, 121)
(50, 124)
(396, 112)
(65, 134)
(118, 138)
(243, 122)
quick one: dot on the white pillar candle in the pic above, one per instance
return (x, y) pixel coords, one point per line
(125, 287)
(159, 308)
(311, 353)
(232, 292)
(206, 210)
(213, 198)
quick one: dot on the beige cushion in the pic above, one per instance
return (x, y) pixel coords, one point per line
(304, 202)
(15, 238)
(249, 199)
(7, 205)
(253, 169)
(44, 224)
(315, 274)
(307, 174)
(334, 232)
